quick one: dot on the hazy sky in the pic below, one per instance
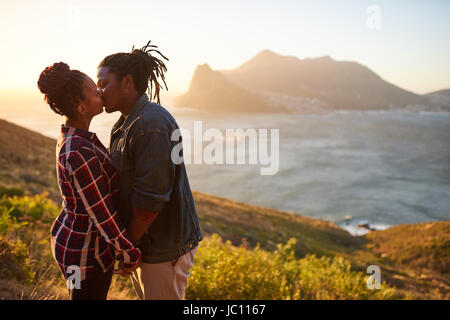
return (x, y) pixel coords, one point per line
(410, 46)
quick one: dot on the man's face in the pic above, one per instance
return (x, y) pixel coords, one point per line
(111, 89)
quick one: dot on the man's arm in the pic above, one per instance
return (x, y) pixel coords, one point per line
(153, 178)
(140, 222)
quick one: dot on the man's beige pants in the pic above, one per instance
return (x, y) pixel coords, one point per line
(163, 281)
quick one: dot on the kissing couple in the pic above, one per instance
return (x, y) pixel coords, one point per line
(129, 203)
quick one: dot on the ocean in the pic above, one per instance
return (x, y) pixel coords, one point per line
(374, 168)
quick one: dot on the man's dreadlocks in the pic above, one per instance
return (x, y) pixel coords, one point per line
(141, 65)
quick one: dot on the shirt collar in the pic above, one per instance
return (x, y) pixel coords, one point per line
(134, 112)
(68, 130)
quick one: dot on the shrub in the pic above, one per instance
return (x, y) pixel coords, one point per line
(14, 262)
(35, 207)
(223, 271)
(11, 192)
(332, 278)
(8, 223)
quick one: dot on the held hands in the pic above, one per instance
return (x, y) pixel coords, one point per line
(122, 270)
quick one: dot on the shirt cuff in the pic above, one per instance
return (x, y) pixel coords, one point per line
(131, 257)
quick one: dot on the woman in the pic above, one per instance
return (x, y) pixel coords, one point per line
(88, 231)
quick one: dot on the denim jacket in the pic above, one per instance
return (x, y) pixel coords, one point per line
(141, 148)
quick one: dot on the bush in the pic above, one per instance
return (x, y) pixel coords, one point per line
(35, 207)
(11, 192)
(328, 278)
(223, 271)
(8, 223)
(14, 262)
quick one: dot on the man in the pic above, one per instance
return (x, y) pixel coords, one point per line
(156, 202)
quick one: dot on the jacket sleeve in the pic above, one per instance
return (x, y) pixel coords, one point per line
(154, 171)
(92, 185)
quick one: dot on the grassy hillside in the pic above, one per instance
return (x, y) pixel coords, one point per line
(236, 220)
(27, 160)
(221, 270)
(413, 258)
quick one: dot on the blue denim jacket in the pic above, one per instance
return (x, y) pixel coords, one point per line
(141, 148)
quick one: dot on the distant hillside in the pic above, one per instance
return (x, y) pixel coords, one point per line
(440, 99)
(287, 83)
(212, 91)
(414, 258)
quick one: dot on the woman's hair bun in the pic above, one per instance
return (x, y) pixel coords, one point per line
(53, 78)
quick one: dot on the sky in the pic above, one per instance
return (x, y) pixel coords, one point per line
(407, 43)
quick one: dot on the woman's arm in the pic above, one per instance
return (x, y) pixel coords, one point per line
(92, 186)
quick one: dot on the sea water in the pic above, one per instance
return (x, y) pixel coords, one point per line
(378, 168)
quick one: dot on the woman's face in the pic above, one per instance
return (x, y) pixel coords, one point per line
(93, 99)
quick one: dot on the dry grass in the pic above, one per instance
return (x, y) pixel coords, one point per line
(27, 160)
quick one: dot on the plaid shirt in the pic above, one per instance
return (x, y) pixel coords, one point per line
(88, 229)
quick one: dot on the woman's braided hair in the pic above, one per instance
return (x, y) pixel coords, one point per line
(62, 87)
(141, 65)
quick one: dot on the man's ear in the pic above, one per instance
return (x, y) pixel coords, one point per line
(127, 82)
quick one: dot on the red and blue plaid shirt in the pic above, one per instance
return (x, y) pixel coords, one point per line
(88, 229)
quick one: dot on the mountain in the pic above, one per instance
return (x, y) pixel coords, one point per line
(440, 100)
(443, 93)
(287, 83)
(211, 90)
(414, 258)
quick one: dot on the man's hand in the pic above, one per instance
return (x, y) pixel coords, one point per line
(124, 271)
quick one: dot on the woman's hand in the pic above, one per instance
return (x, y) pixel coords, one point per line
(125, 271)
